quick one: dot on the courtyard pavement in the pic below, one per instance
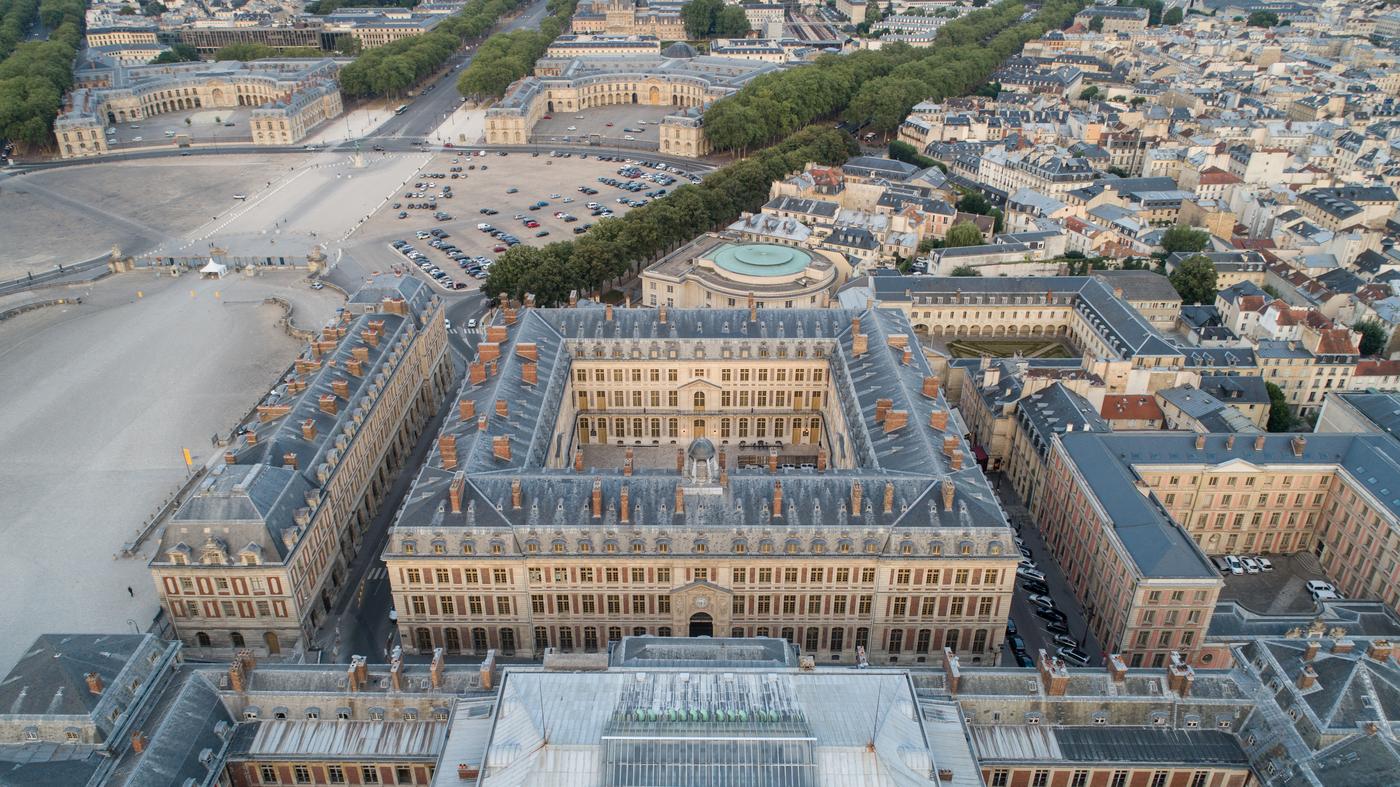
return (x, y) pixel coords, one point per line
(101, 397)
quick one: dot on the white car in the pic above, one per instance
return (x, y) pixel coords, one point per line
(137, 139)
(1265, 564)
(1236, 567)
(1316, 587)
(471, 324)
(628, 137)
(573, 128)
(1251, 566)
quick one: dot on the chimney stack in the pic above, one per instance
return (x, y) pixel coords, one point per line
(857, 496)
(597, 498)
(753, 309)
(608, 313)
(821, 460)
(230, 458)
(938, 419)
(777, 498)
(476, 372)
(455, 489)
(447, 448)
(341, 387)
(1342, 645)
(289, 459)
(578, 460)
(94, 682)
(237, 678)
(1379, 650)
(948, 490)
(896, 420)
(882, 406)
(1200, 442)
(466, 409)
(1310, 652)
(624, 505)
(627, 460)
(1259, 442)
(889, 497)
(435, 672)
(1180, 676)
(1298, 444)
(952, 671)
(680, 460)
(1117, 669)
(772, 460)
(680, 499)
(930, 387)
(950, 445)
(138, 742)
(530, 351)
(500, 447)
(308, 429)
(502, 408)
(396, 674)
(515, 494)
(1054, 675)
(1307, 678)
(661, 315)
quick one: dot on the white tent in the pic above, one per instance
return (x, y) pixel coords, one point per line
(214, 270)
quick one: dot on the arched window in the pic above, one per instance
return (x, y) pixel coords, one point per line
(236, 638)
(699, 400)
(479, 640)
(508, 641)
(202, 639)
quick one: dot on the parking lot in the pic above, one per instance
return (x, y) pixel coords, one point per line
(1282, 590)
(201, 125)
(512, 186)
(616, 122)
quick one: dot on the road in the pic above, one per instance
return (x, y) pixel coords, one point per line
(359, 623)
(427, 111)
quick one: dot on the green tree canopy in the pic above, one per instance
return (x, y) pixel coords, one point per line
(1096, 23)
(974, 202)
(1262, 19)
(1194, 280)
(964, 233)
(1184, 238)
(177, 53)
(964, 270)
(1373, 336)
(1280, 416)
(1172, 16)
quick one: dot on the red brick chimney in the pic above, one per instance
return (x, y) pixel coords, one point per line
(857, 495)
(1307, 678)
(1379, 649)
(500, 447)
(1342, 645)
(1054, 675)
(753, 309)
(94, 682)
(437, 669)
(896, 420)
(948, 489)
(882, 406)
(502, 408)
(938, 419)
(396, 675)
(777, 498)
(772, 460)
(528, 350)
(1259, 443)
(889, 497)
(624, 505)
(138, 742)
(497, 333)
(467, 409)
(608, 312)
(952, 671)
(476, 372)
(308, 429)
(1311, 652)
(230, 458)
(597, 498)
(455, 489)
(1117, 670)
(680, 499)
(530, 373)
(289, 459)
(578, 460)
(515, 494)
(680, 460)
(1180, 675)
(821, 460)
(1200, 442)
(447, 448)
(950, 445)
(341, 387)
(360, 353)
(488, 351)
(1298, 444)
(930, 387)
(627, 460)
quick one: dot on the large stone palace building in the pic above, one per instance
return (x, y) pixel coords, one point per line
(254, 556)
(630, 17)
(291, 97)
(787, 472)
(573, 84)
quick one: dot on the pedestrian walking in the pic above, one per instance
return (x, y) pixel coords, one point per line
(130, 592)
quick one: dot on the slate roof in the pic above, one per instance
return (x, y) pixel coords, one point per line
(1117, 744)
(911, 459)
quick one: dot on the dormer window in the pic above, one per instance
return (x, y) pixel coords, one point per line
(439, 547)
(178, 558)
(249, 559)
(409, 547)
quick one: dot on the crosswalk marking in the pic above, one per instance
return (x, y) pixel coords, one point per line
(377, 573)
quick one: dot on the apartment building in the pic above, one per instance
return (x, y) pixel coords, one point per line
(702, 472)
(255, 554)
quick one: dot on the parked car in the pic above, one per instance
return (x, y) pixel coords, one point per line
(1265, 564)
(1251, 566)
(1064, 640)
(1024, 660)
(1030, 573)
(1036, 587)
(1316, 586)
(1220, 564)
(1017, 644)
(1051, 614)
(1236, 567)
(1073, 656)
(1056, 627)
(1041, 600)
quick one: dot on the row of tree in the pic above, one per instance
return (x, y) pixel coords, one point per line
(714, 19)
(246, 51)
(393, 69)
(16, 17)
(323, 7)
(36, 74)
(506, 57)
(877, 88)
(615, 247)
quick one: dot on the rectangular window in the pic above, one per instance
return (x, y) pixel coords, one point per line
(864, 606)
(335, 774)
(838, 605)
(537, 603)
(448, 607)
(301, 774)
(639, 605)
(814, 605)
(269, 774)
(502, 605)
(663, 575)
(561, 604)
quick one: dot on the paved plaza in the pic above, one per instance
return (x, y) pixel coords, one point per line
(71, 214)
(595, 121)
(100, 398)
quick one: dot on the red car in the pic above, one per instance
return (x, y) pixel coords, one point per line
(548, 117)
(498, 249)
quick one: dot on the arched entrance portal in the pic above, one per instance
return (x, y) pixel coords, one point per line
(702, 625)
(274, 646)
(654, 95)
